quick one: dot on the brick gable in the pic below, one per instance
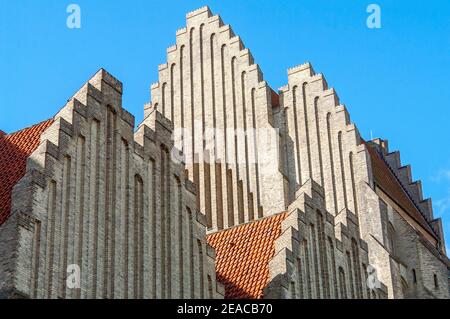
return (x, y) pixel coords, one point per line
(15, 148)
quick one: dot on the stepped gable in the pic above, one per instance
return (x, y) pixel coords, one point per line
(210, 81)
(15, 148)
(243, 254)
(386, 180)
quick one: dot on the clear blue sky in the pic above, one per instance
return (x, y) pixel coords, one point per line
(394, 80)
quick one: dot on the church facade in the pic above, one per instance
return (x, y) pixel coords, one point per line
(227, 189)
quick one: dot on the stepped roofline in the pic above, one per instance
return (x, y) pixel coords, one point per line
(388, 182)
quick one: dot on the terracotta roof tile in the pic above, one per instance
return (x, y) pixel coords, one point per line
(243, 254)
(388, 182)
(275, 99)
(15, 148)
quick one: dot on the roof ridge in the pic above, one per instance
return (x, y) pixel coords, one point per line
(27, 128)
(248, 223)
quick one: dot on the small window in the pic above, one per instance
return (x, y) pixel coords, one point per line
(436, 283)
(210, 287)
(293, 294)
(414, 276)
(391, 239)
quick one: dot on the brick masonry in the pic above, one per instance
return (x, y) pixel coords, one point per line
(210, 80)
(113, 201)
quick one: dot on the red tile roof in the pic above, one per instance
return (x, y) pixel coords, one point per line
(275, 99)
(15, 148)
(388, 182)
(243, 254)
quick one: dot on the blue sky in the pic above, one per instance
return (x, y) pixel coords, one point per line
(394, 80)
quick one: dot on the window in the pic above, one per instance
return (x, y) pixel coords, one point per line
(414, 276)
(200, 263)
(210, 287)
(300, 277)
(391, 238)
(436, 283)
(356, 268)
(342, 283)
(293, 294)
